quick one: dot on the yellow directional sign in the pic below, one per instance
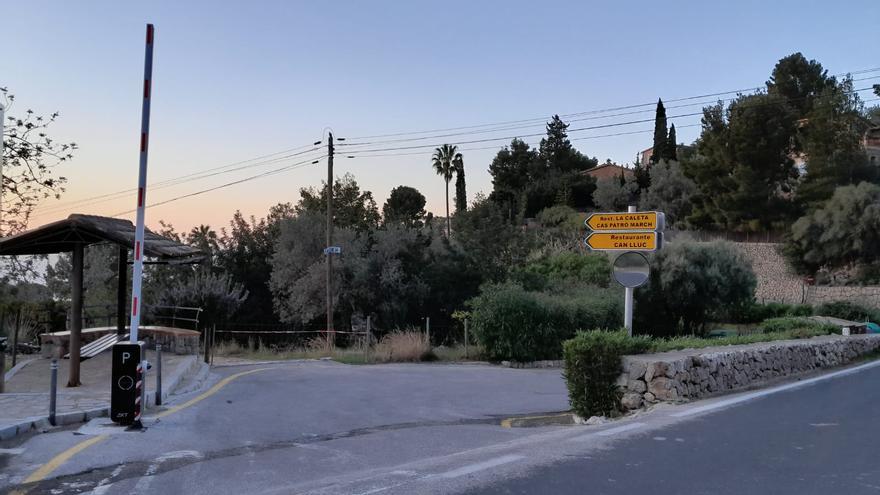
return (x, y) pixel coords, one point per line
(624, 241)
(644, 220)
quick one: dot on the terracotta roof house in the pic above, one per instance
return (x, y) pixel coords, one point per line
(608, 171)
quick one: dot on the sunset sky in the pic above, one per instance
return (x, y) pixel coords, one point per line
(238, 80)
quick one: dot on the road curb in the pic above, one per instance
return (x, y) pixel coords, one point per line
(560, 419)
(41, 423)
(12, 371)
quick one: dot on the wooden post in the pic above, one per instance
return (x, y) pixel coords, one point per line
(15, 335)
(465, 339)
(76, 300)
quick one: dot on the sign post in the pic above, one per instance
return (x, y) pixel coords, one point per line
(632, 232)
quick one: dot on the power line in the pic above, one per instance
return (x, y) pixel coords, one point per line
(581, 138)
(212, 172)
(577, 129)
(229, 184)
(592, 112)
(438, 136)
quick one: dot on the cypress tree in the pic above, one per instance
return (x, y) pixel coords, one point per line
(460, 191)
(671, 145)
(660, 137)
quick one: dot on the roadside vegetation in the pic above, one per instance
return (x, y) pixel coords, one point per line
(407, 346)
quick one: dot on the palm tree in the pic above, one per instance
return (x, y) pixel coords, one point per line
(444, 161)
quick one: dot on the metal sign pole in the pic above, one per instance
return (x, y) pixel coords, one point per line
(628, 296)
(138, 271)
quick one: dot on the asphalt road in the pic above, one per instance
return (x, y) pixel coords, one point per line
(823, 439)
(293, 424)
(326, 428)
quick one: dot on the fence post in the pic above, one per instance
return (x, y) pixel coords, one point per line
(213, 336)
(2, 365)
(428, 329)
(465, 339)
(206, 336)
(53, 369)
(158, 374)
(15, 335)
(369, 339)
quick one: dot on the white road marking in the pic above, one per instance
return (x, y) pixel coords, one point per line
(101, 489)
(480, 466)
(144, 482)
(620, 429)
(12, 451)
(782, 388)
(608, 432)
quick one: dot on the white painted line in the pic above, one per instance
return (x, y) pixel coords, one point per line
(101, 489)
(620, 429)
(782, 388)
(608, 432)
(480, 466)
(16, 451)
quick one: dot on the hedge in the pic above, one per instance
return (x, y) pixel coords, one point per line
(592, 365)
(514, 324)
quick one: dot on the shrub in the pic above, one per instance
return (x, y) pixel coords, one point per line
(792, 324)
(691, 282)
(845, 230)
(565, 268)
(848, 311)
(759, 312)
(592, 365)
(512, 323)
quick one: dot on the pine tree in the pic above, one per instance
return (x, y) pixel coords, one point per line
(671, 151)
(660, 136)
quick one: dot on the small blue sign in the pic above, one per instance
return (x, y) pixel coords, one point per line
(333, 250)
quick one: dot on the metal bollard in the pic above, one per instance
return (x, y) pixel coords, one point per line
(158, 374)
(53, 391)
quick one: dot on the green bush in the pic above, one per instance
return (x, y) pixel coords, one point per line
(792, 324)
(592, 365)
(512, 323)
(566, 268)
(848, 311)
(759, 312)
(691, 282)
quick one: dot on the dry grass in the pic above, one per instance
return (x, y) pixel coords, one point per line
(403, 346)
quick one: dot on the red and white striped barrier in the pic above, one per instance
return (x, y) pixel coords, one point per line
(138, 269)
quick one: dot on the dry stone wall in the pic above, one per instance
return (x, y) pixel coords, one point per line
(776, 282)
(863, 295)
(696, 373)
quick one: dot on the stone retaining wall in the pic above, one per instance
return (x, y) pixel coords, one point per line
(696, 373)
(867, 295)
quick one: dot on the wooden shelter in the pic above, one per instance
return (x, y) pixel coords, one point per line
(72, 235)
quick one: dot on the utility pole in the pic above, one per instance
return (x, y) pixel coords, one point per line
(2, 160)
(331, 335)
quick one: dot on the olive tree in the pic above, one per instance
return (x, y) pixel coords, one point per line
(689, 284)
